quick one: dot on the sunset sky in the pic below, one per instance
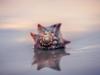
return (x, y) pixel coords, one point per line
(75, 15)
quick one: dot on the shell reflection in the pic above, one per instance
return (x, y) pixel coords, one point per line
(48, 58)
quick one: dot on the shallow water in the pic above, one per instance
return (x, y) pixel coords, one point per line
(16, 55)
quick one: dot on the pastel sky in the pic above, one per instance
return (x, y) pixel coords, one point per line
(75, 15)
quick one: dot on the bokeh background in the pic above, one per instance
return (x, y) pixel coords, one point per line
(80, 24)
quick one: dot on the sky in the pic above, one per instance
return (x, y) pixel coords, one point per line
(24, 14)
(80, 24)
(77, 17)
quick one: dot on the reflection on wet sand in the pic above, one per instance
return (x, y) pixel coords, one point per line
(48, 58)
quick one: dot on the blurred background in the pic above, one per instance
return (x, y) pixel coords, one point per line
(80, 24)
